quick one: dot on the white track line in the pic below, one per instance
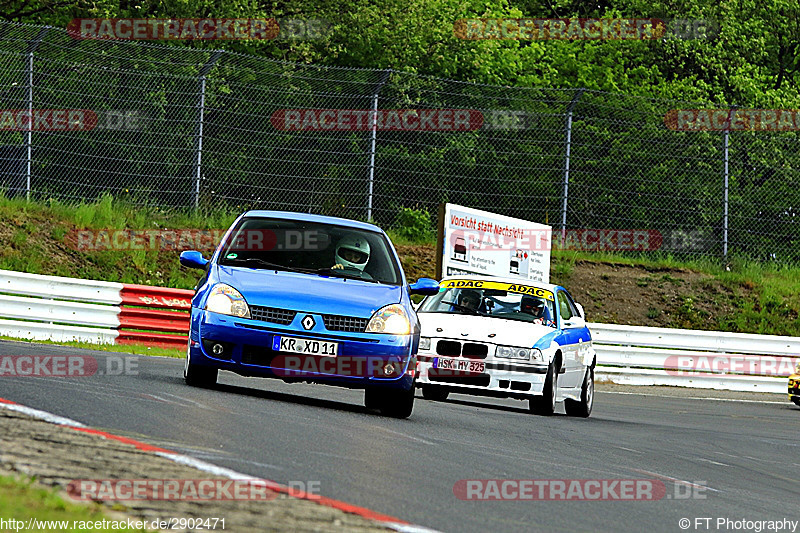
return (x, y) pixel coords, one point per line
(206, 466)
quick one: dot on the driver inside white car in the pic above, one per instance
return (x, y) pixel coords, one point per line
(533, 306)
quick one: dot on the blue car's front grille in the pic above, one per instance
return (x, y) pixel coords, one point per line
(272, 314)
(286, 316)
(345, 323)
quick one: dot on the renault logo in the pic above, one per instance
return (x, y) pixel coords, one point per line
(308, 322)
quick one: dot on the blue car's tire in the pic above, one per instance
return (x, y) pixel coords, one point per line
(198, 376)
(372, 398)
(395, 403)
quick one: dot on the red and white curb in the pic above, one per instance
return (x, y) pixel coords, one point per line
(380, 519)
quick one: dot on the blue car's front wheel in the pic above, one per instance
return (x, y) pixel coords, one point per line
(198, 376)
(396, 403)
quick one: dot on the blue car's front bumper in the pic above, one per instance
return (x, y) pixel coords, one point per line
(364, 359)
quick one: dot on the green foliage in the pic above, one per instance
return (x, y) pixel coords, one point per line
(23, 499)
(414, 225)
(750, 61)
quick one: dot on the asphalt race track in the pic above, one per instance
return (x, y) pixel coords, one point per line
(743, 458)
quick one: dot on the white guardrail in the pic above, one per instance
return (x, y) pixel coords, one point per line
(61, 309)
(54, 308)
(44, 308)
(638, 355)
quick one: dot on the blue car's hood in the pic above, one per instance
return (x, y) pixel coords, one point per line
(309, 292)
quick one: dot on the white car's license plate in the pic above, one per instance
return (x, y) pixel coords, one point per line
(459, 365)
(305, 346)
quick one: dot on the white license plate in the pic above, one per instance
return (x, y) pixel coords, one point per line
(459, 365)
(306, 346)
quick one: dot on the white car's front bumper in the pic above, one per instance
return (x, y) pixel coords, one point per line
(505, 378)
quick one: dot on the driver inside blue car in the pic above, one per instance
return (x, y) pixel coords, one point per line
(352, 252)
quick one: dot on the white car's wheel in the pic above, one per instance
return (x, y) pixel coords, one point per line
(435, 393)
(583, 408)
(546, 403)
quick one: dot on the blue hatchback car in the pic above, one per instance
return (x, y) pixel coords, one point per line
(307, 298)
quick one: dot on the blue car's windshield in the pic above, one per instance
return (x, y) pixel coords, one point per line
(311, 247)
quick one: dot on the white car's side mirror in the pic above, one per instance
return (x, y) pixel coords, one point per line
(580, 310)
(575, 322)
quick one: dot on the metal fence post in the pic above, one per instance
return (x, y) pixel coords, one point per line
(565, 193)
(200, 116)
(725, 154)
(373, 138)
(32, 45)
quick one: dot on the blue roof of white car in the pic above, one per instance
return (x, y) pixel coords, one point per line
(291, 215)
(521, 281)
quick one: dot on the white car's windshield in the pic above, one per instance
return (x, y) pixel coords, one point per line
(492, 303)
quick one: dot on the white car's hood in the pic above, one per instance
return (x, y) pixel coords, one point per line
(479, 328)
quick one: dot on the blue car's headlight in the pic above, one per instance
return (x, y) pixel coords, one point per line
(391, 319)
(226, 300)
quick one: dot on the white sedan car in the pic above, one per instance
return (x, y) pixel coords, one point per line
(506, 337)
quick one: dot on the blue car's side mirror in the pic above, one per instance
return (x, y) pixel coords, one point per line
(424, 286)
(193, 259)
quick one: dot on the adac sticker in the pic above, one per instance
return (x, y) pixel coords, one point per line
(501, 286)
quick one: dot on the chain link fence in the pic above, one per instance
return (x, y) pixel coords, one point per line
(194, 128)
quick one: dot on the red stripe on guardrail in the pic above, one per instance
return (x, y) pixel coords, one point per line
(148, 296)
(155, 319)
(152, 339)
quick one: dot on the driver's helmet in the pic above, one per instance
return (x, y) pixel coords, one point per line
(469, 298)
(532, 306)
(352, 251)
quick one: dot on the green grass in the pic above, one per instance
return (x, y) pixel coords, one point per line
(35, 238)
(136, 349)
(39, 232)
(22, 499)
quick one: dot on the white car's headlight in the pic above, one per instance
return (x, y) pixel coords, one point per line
(424, 343)
(511, 352)
(391, 319)
(515, 352)
(226, 300)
